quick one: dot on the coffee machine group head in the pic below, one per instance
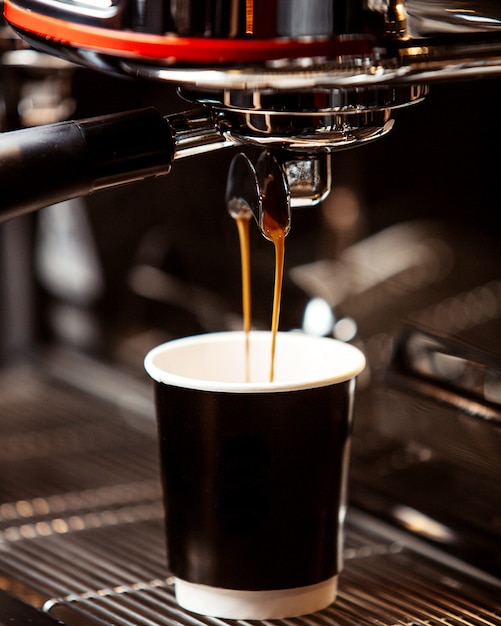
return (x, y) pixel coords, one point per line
(301, 78)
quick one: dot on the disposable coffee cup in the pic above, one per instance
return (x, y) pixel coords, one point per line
(254, 472)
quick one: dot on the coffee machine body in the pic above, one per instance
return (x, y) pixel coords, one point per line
(308, 78)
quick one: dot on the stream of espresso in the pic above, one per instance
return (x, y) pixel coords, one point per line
(243, 221)
(274, 224)
(276, 233)
(272, 198)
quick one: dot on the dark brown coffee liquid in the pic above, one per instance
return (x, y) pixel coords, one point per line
(275, 226)
(243, 222)
(276, 233)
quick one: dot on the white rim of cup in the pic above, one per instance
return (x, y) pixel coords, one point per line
(353, 362)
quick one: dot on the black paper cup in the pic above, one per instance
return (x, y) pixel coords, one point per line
(254, 472)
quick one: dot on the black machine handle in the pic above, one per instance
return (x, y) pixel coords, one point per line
(48, 164)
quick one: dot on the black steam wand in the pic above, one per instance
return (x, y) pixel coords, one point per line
(45, 165)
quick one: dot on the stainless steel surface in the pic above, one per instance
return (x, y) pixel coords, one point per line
(432, 463)
(312, 118)
(196, 132)
(242, 195)
(432, 16)
(391, 41)
(338, 89)
(424, 41)
(81, 523)
(425, 305)
(309, 177)
(275, 205)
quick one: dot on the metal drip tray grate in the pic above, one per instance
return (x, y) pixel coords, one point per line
(81, 528)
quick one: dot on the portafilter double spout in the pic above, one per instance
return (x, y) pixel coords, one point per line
(300, 78)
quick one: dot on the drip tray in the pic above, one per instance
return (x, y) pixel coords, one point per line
(81, 522)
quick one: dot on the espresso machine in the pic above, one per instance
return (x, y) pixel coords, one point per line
(384, 118)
